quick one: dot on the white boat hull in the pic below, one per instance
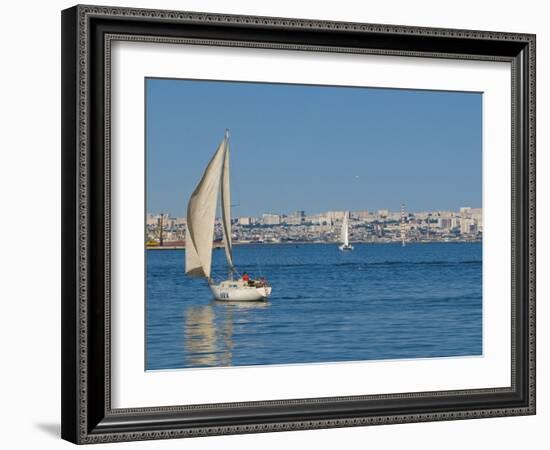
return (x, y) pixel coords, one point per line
(238, 291)
(346, 248)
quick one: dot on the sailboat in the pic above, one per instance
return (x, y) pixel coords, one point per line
(201, 217)
(346, 246)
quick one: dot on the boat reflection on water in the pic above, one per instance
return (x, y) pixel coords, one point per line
(233, 305)
(208, 331)
(200, 340)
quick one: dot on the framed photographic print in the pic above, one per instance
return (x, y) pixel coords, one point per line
(277, 224)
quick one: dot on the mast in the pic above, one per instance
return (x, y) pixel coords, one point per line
(225, 194)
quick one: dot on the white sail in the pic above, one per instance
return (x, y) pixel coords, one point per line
(193, 265)
(226, 208)
(201, 215)
(345, 232)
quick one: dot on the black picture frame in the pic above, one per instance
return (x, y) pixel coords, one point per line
(87, 416)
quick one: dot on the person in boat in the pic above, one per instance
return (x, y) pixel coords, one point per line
(246, 277)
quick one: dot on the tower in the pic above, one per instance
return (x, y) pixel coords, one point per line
(160, 227)
(402, 230)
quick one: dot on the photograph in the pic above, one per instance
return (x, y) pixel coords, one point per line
(298, 224)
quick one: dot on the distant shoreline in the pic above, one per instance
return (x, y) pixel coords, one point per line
(182, 247)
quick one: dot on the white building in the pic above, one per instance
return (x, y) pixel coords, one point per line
(468, 226)
(271, 219)
(444, 223)
(151, 220)
(292, 220)
(335, 215)
(360, 215)
(477, 215)
(245, 221)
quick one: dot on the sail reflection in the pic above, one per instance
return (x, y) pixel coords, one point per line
(208, 332)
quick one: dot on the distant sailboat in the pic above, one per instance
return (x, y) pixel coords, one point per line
(346, 246)
(402, 227)
(201, 216)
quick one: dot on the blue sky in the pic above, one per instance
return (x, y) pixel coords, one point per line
(314, 148)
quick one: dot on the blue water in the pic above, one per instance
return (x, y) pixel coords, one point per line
(381, 301)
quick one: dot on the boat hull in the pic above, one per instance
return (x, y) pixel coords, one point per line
(346, 248)
(237, 292)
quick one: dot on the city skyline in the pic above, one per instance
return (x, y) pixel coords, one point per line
(316, 213)
(163, 231)
(330, 148)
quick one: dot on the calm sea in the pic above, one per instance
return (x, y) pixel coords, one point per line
(381, 301)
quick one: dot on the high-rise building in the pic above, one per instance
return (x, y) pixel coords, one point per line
(245, 221)
(271, 219)
(477, 215)
(455, 222)
(360, 214)
(335, 215)
(444, 223)
(319, 219)
(295, 218)
(468, 226)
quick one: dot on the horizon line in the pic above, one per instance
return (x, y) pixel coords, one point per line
(334, 211)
